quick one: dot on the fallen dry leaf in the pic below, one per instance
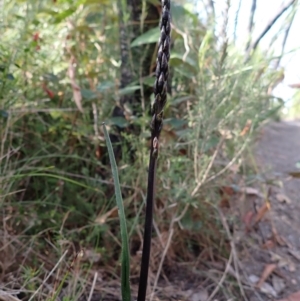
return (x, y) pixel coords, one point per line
(246, 128)
(201, 295)
(282, 198)
(224, 203)
(251, 191)
(227, 190)
(101, 219)
(262, 212)
(269, 244)
(277, 238)
(266, 288)
(295, 174)
(283, 262)
(268, 270)
(292, 297)
(91, 256)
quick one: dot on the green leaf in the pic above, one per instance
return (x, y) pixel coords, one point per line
(182, 16)
(181, 99)
(175, 123)
(118, 121)
(51, 77)
(129, 90)
(59, 17)
(125, 259)
(186, 60)
(99, 2)
(9, 76)
(149, 81)
(106, 85)
(3, 114)
(88, 94)
(148, 37)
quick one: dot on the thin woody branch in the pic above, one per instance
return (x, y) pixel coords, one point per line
(268, 27)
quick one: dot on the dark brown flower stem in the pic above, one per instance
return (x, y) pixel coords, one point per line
(160, 93)
(148, 228)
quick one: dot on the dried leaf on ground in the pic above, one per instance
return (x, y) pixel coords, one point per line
(268, 270)
(91, 256)
(201, 295)
(295, 174)
(252, 191)
(226, 193)
(266, 288)
(101, 219)
(283, 262)
(227, 190)
(277, 238)
(292, 297)
(262, 212)
(282, 198)
(269, 244)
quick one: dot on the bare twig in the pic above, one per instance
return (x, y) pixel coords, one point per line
(211, 5)
(171, 232)
(270, 24)
(236, 19)
(225, 14)
(224, 33)
(286, 34)
(233, 252)
(162, 261)
(228, 266)
(93, 287)
(208, 168)
(230, 163)
(251, 22)
(4, 296)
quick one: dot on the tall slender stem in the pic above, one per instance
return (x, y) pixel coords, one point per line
(160, 92)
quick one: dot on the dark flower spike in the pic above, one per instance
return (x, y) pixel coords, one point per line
(160, 99)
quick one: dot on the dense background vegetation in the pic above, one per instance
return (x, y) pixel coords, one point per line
(62, 73)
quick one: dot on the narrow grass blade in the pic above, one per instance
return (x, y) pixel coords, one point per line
(125, 274)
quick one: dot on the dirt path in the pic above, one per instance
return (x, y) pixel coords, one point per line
(277, 236)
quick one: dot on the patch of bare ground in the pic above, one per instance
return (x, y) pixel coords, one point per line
(269, 244)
